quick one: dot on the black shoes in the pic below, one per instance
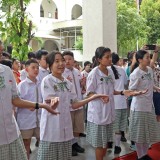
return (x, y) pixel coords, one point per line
(74, 152)
(123, 139)
(109, 145)
(37, 144)
(78, 148)
(146, 157)
(82, 135)
(117, 150)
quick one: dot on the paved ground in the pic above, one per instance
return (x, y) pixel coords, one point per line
(89, 151)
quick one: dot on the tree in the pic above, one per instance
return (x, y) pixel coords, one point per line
(131, 26)
(16, 29)
(150, 10)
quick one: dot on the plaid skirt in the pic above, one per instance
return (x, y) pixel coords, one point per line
(54, 150)
(120, 123)
(143, 127)
(13, 151)
(99, 135)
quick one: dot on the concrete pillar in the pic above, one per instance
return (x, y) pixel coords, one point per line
(99, 26)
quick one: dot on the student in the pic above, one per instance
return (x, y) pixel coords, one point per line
(23, 73)
(11, 144)
(43, 66)
(15, 68)
(56, 131)
(100, 115)
(74, 76)
(29, 89)
(143, 128)
(121, 81)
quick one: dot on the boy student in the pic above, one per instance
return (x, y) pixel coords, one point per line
(28, 120)
(74, 76)
(41, 58)
(23, 72)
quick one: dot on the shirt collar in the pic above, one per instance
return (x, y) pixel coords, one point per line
(42, 69)
(31, 82)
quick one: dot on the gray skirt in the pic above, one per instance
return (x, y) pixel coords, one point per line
(99, 135)
(120, 123)
(54, 150)
(13, 151)
(143, 127)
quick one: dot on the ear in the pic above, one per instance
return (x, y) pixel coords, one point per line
(26, 69)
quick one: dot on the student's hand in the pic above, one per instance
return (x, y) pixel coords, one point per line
(52, 104)
(83, 81)
(103, 97)
(134, 93)
(69, 78)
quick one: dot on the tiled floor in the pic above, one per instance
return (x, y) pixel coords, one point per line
(89, 151)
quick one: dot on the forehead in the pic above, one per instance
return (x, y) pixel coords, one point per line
(58, 56)
(68, 57)
(33, 64)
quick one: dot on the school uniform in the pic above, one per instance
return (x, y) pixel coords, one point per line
(23, 74)
(77, 115)
(42, 73)
(11, 144)
(143, 125)
(56, 130)
(120, 101)
(100, 116)
(28, 121)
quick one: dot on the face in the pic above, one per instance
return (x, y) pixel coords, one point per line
(33, 70)
(42, 62)
(58, 65)
(16, 65)
(106, 59)
(120, 62)
(146, 60)
(69, 61)
(88, 68)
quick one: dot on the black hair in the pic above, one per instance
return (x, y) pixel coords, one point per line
(99, 53)
(115, 59)
(6, 62)
(86, 63)
(68, 53)
(13, 60)
(51, 58)
(140, 54)
(31, 55)
(6, 54)
(41, 53)
(31, 61)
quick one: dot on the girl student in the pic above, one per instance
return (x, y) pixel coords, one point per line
(56, 132)
(143, 127)
(121, 81)
(11, 143)
(100, 115)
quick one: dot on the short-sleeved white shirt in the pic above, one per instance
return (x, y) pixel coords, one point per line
(57, 128)
(23, 74)
(98, 112)
(9, 131)
(75, 81)
(42, 73)
(27, 89)
(140, 80)
(119, 100)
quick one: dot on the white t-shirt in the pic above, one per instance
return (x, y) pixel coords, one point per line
(28, 90)
(9, 131)
(140, 80)
(57, 128)
(119, 100)
(98, 112)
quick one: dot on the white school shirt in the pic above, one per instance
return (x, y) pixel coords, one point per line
(75, 81)
(23, 74)
(27, 89)
(57, 128)
(84, 74)
(120, 100)
(9, 130)
(42, 73)
(98, 112)
(140, 80)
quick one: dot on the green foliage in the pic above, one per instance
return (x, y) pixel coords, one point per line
(150, 10)
(79, 42)
(16, 29)
(131, 27)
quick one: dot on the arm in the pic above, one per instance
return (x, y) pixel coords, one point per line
(154, 59)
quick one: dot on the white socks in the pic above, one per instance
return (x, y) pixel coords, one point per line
(117, 139)
(75, 140)
(142, 149)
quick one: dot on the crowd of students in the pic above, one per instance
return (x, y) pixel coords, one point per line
(46, 99)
